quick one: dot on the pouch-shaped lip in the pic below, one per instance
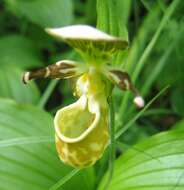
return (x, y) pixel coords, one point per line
(80, 104)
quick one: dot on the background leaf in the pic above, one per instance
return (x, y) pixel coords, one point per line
(177, 101)
(32, 166)
(111, 18)
(45, 13)
(11, 86)
(164, 170)
(17, 50)
(179, 125)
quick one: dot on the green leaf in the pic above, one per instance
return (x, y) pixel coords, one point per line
(45, 13)
(149, 4)
(172, 36)
(163, 170)
(177, 101)
(179, 125)
(142, 38)
(18, 51)
(12, 87)
(27, 164)
(111, 18)
(133, 66)
(168, 13)
(164, 61)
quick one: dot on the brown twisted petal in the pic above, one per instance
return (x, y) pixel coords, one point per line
(60, 70)
(123, 81)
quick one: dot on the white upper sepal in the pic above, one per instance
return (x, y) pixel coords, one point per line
(139, 101)
(80, 32)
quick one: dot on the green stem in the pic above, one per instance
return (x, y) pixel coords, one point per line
(47, 93)
(148, 51)
(129, 124)
(157, 111)
(112, 142)
(64, 179)
(161, 63)
(153, 41)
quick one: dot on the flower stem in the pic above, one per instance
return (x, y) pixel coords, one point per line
(112, 142)
(129, 124)
(47, 93)
(64, 179)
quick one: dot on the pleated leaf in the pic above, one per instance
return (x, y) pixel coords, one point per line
(155, 164)
(26, 163)
(19, 51)
(47, 13)
(12, 87)
(179, 125)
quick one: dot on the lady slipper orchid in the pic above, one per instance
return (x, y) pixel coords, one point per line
(81, 129)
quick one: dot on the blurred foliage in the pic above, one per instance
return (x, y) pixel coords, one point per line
(47, 14)
(155, 58)
(36, 165)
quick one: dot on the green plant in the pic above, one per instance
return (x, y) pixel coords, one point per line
(154, 60)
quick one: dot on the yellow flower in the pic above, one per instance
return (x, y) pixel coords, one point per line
(81, 128)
